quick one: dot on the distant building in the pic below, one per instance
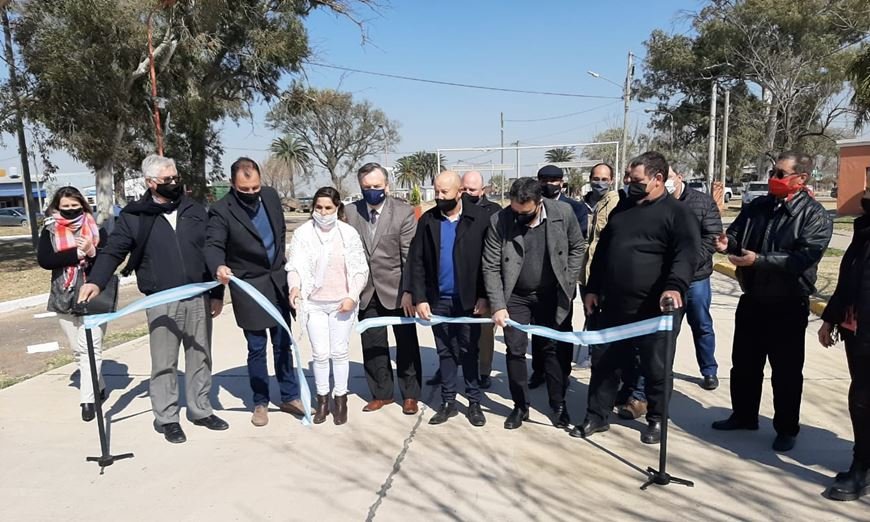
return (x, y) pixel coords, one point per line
(853, 174)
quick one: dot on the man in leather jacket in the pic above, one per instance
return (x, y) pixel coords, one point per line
(776, 243)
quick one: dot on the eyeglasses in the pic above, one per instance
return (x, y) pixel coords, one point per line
(168, 180)
(779, 173)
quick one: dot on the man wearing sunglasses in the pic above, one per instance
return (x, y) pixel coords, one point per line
(776, 243)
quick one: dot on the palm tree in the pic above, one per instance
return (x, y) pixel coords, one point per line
(427, 165)
(561, 155)
(407, 172)
(295, 154)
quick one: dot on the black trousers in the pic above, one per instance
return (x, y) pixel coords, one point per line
(456, 345)
(858, 356)
(539, 310)
(538, 358)
(771, 330)
(376, 355)
(609, 360)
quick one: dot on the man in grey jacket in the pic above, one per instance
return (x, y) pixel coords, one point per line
(532, 257)
(387, 227)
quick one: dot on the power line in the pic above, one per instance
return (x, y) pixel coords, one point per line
(465, 85)
(565, 115)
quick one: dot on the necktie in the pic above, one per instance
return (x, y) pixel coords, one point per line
(374, 217)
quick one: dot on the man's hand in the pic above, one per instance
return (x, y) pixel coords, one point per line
(408, 304)
(674, 296)
(294, 298)
(88, 291)
(217, 306)
(590, 303)
(423, 311)
(481, 307)
(346, 305)
(721, 242)
(747, 259)
(826, 334)
(223, 274)
(500, 317)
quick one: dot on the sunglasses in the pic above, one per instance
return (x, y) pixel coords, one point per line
(779, 173)
(168, 180)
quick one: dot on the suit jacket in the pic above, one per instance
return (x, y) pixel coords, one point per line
(387, 250)
(503, 254)
(580, 211)
(233, 240)
(425, 256)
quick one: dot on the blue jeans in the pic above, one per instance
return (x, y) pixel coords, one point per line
(698, 300)
(258, 371)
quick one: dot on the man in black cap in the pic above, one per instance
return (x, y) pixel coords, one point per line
(552, 180)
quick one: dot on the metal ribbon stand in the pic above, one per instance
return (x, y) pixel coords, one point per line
(661, 477)
(106, 459)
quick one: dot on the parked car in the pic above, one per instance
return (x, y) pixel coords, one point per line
(305, 204)
(11, 217)
(701, 186)
(753, 190)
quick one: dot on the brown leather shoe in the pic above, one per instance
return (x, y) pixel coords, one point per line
(293, 407)
(633, 409)
(409, 407)
(261, 416)
(377, 404)
(321, 412)
(339, 415)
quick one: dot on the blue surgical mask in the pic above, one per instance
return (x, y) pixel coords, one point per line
(374, 197)
(600, 188)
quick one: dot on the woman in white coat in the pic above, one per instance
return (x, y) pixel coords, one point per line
(326, 271)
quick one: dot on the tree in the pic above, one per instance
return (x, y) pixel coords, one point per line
(339, 131)
(426, 164)
(407, 174)
(296, 157)
(607, 153)
(859, 74)
(561, 155)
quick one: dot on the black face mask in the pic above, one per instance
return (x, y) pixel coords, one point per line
(473, 199)
(249, 198)
(170, 191)
(445, 205)
(636, 191)
(71, 213)
(865, 204)
(525, 219)
(550, 191)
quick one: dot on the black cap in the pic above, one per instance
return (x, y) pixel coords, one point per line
(551, 172)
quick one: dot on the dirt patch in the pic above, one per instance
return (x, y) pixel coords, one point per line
(20, 275)
(828, 272)
(14, 231)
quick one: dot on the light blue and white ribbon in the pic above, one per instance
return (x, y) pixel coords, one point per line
(186, 292)
(662, 323)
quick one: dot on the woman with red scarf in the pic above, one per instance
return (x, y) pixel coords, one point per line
(68, 247)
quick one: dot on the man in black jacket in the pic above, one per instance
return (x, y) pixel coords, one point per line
(246, 238)
(700, 294)
(447, 281)
(165, 232)
(647, 254)
(776, 243)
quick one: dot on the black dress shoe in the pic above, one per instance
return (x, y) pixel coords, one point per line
(516, 418)
(852, 484)
(711, 382)
(173, 433)
(475, 415)
(212, 422)
(653, 433)
(88, 412)
(435, 380)
(536, 380)
(783, 443)
(733, 423)
(485, 382)
(589, 428)
(448, 409)
(561, 419)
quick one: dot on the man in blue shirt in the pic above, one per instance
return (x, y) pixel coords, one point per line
(445, 264)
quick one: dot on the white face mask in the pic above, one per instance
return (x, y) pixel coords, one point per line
(325, 222)
(671, 186)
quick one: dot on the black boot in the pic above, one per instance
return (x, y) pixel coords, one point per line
(851, 485)
(339, 415)
(88, 412)
(321, 411)
(561, 419)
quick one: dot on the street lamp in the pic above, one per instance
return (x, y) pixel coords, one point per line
(626, 97)
(606, 79)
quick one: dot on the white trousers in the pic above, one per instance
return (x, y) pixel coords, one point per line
(329, 333)
(74, 329)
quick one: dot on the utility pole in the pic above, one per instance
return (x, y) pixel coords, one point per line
(501, 126)
(723, 164)
(626, 97)
(19, 125)
(711, 145)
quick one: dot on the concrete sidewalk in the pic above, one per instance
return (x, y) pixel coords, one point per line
(388, 466)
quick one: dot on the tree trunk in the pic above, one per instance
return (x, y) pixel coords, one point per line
(196, 181)
(105, 183)
(120, 192)
(291, 167)
(770, 115)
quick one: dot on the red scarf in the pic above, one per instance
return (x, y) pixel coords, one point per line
(63, 237)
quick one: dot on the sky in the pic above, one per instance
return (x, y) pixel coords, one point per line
(541, 46)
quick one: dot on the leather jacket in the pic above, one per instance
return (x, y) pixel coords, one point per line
(789, 238)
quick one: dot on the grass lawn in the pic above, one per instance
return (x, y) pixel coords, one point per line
(828, 272)
(14, 231)
(20, 275)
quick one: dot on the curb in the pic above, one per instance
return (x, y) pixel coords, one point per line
(817, 306)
